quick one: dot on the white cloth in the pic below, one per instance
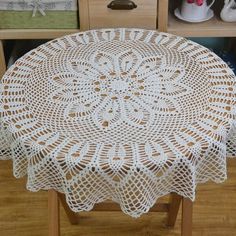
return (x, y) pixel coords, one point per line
(45, 5)
(122, 114)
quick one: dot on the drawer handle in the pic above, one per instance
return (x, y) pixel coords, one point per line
(122, 5)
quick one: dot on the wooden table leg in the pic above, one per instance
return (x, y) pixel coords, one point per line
(54, 213)
(72, 216)
(2, 60)
(187, 215)
(173, 209)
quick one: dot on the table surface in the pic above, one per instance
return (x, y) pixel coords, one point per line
(121, 114)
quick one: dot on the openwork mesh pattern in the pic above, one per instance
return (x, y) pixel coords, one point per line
(122, 114)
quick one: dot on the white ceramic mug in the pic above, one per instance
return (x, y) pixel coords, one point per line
(191, 11)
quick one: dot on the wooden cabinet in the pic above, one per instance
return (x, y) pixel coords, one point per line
(157, 14)
(149, 14)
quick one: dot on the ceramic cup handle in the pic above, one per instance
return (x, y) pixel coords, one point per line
(209, 6)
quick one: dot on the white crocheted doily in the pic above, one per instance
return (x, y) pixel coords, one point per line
(122, 114)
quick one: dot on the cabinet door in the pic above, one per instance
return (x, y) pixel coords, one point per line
(143, 15)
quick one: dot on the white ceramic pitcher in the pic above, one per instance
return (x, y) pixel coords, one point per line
(191, 11)
(228, 13)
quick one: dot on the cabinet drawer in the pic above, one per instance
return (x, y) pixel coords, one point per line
(143, 16)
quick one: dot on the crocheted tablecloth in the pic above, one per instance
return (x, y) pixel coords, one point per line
(121, 114)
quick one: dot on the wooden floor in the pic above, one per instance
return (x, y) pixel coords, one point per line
(25, 214)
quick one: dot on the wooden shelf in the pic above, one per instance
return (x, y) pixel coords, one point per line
(212, 28)
(34, 33)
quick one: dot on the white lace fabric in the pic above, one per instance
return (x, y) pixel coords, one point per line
(121, 114)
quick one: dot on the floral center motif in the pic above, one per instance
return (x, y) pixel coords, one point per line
(126, 87)
(119, 86)
(122, 86)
